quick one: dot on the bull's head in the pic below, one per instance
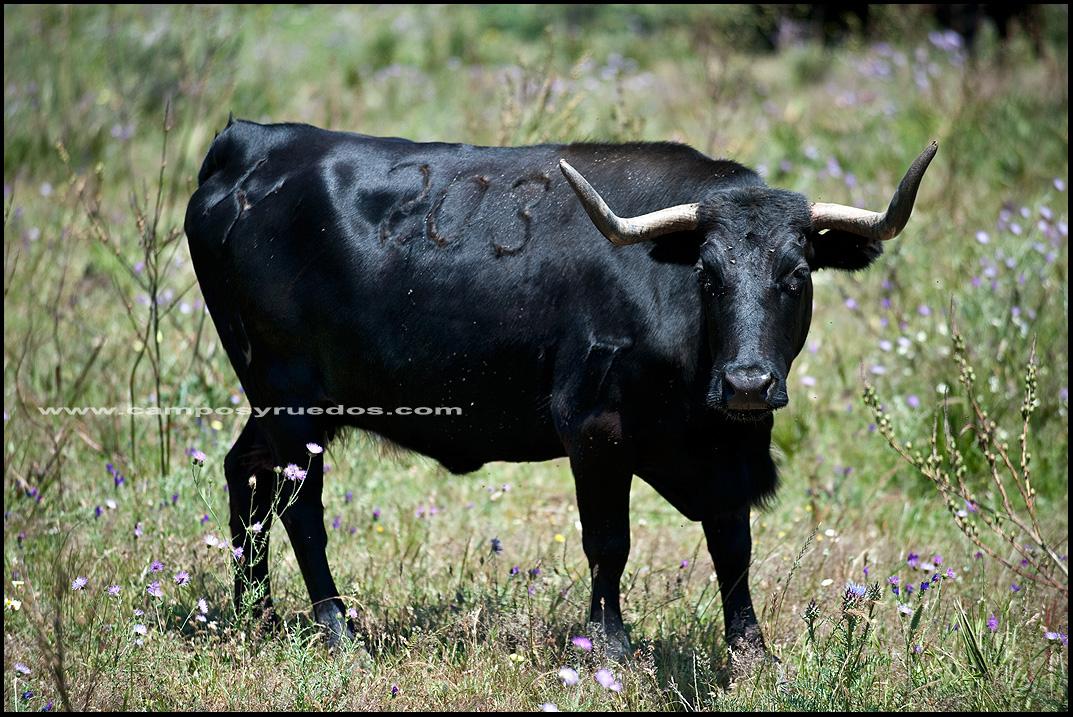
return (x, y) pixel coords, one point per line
(759, 247)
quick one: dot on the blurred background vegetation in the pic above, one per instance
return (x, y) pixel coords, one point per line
(101, 308)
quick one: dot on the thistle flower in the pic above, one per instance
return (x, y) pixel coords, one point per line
(182, 578)
(79, 582)
(607, 680)
(856, 591)
(156, 566)
(582, 643)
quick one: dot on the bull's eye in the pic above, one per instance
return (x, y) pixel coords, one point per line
(710, 282)
(795, 280)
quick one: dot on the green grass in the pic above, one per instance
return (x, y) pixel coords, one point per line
(443, 619)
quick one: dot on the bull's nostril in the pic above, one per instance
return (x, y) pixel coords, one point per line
(748, 389)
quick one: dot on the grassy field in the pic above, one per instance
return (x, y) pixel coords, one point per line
(101, 309)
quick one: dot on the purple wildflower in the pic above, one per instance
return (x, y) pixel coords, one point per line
(569, 676)
(140, 629)
(79, 582)
(497, 546)
(156, 566)
(314, 449)
(683, 565)
(913, 560)
(607, 680)
(238, 552)
(1057, 637)
(154, 589)
(515, 570)
(1015, 588)
(348, 496)
(992, 623)
(114, 590)
(394, 690)
(21, 668)
(205, 519)
(294, 473)
(182, 578)
(197, 457)
(582, 643)
(137, 530)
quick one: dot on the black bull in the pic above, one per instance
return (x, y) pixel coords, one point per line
(342, 269)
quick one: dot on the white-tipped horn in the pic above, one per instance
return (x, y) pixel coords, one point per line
(876, 225)
(628, 230)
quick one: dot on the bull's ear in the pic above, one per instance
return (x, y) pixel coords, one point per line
(836, 249)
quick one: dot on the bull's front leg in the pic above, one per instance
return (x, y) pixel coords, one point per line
(730, 544)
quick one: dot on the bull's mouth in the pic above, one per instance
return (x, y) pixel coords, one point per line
(751, 416)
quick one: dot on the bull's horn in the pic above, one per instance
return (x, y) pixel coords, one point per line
(873, 225)
(628, 230)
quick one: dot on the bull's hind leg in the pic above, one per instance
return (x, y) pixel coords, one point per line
(302, 513)
(250, 486)
(602, 476)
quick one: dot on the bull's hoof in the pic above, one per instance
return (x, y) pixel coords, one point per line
(748, 654)
(613, 642)
(333, 622)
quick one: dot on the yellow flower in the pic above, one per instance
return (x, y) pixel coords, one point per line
(559, 538)
(10, 604)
